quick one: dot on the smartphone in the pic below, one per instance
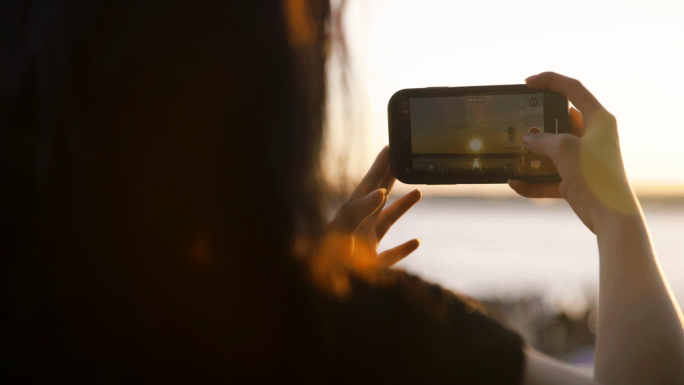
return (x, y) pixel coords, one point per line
(453, 135)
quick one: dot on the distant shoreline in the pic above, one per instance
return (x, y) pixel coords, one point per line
(645, 201)
(648, 193)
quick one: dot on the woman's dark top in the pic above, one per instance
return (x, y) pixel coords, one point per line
(393, 329)
(408, 331)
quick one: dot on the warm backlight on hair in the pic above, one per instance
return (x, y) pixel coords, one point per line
(475, 144)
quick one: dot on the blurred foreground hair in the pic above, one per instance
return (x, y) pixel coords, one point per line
(157, 159)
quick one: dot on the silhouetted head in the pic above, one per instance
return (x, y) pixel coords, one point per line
(154, 157)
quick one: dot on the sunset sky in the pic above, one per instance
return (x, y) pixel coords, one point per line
(629, 54)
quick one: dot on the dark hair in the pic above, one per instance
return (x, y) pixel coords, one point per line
(157, 160)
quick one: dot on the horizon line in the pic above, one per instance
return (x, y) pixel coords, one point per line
(643, 190)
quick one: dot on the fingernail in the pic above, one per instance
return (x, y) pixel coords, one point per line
(529, 77)
(420, 240)
(526, 139)
(377, 194)
(509, 181)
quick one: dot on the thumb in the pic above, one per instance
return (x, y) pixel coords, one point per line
(550, 145)
(351, 216)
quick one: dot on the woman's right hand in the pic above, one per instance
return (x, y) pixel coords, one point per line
(589, 161)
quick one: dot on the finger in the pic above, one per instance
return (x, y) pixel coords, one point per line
(374, 175)
(387, 183)
(389, 257)
(535, 190)
(352, 215)
(576, 122)
(392, 214)
(554, 146)
(569, 87)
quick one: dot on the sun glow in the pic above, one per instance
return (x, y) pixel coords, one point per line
(398, 44)
(476, 144)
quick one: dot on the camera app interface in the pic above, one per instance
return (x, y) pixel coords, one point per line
(478, 135)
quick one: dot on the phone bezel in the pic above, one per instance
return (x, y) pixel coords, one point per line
(399, 123)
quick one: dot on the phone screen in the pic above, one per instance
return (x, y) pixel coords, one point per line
(477, 135)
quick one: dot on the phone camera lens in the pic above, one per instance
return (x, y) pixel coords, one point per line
(511, 130)
(534, 102)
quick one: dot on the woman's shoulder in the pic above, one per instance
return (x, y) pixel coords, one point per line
(389, 313)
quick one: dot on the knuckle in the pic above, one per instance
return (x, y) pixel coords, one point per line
(339, 224)
(345, 216)
(565, 144)
(605, 118)
(343, 211)
(563, 188)
(524, 190)
(574, 85)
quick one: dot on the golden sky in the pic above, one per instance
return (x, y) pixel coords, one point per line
(629, 54)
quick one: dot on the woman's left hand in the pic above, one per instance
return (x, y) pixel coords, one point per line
(356, 230)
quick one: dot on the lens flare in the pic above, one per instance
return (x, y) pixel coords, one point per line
(476, 144)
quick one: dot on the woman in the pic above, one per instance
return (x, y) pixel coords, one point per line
(163, 217)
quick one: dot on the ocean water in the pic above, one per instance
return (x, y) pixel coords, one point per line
(512, 247)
